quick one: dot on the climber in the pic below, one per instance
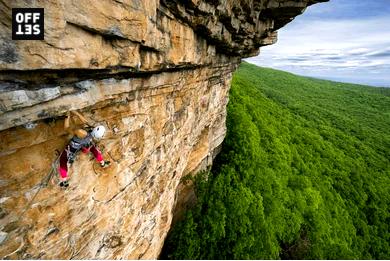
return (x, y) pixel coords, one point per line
(82, 140)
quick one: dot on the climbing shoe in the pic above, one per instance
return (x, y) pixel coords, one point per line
(105, 164)
(64, 184)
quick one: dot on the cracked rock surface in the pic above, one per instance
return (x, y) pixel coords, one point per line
(156, 74)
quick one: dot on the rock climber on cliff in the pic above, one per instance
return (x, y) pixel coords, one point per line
(82, 140)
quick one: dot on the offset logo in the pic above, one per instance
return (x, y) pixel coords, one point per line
(28, 24)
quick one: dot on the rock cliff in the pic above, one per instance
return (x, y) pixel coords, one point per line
(156, 73)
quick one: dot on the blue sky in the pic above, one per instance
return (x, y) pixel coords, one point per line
(343, 40)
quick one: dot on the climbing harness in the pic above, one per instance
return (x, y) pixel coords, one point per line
(71, 154)
(77, 143)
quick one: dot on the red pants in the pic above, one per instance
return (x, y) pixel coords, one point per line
(64, 159)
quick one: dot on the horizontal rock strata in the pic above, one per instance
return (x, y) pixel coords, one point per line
(156, 74)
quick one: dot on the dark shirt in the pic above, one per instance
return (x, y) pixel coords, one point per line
(76, 143)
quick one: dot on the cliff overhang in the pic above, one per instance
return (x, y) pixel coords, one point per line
(156, 74)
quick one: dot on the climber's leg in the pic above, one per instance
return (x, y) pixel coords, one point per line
(63, 169)
(96, 153)
(85, 150)
(99, 157)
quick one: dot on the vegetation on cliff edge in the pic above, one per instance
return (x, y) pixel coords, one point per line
(304, 173)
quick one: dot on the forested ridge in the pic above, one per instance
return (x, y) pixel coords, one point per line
(304, 173)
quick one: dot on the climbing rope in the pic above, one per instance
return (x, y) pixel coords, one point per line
(44, 182)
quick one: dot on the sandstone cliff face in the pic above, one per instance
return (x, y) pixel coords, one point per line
(157, 75)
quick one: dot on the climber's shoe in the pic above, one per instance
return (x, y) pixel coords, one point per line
(105, 163)
(64, 184)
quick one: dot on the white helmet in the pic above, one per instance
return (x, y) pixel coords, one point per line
(98, 132)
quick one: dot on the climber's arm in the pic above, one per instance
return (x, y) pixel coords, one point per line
(67, 125)
(82, 118)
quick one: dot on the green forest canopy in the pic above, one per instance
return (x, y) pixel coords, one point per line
(304, 173)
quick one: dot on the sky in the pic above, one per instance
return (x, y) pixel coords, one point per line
(342, 40)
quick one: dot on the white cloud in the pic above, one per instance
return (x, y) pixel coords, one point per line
(327, 48)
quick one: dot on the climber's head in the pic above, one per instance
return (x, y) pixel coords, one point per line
(98, 132)
(80, 133)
